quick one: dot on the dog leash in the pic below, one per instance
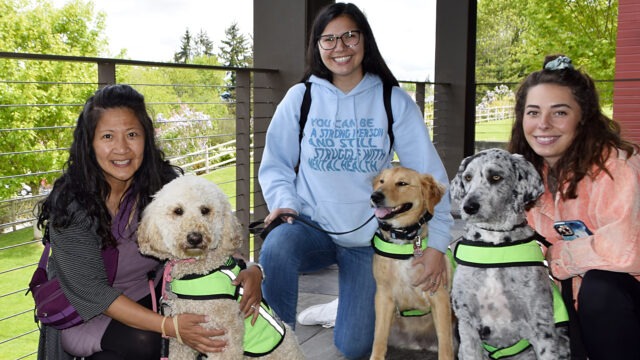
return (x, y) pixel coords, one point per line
(254, 227)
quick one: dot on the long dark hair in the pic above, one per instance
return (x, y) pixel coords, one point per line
(596, 134)
(83, 180)
(372, 62)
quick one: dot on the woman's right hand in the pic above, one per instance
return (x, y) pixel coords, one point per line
(277, 213)
(197, 337)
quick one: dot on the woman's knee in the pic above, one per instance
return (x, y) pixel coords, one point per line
(275, 248)
(600, 290)
(353, 349)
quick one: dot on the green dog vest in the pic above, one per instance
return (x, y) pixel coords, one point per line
(523, 253)
(259, 339)
(402, 251)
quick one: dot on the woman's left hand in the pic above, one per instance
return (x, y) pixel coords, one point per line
(251, 280)
(434, 270)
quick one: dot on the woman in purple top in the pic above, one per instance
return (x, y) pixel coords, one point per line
(114, 168)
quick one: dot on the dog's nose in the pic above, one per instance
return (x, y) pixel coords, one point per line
(377, 197)
(194, 239)
(471, 206)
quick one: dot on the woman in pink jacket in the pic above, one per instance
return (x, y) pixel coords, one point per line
(590, 174)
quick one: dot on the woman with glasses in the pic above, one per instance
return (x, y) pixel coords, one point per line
(325, 176)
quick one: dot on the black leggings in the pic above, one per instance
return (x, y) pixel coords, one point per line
(122, 342)
(609, 315)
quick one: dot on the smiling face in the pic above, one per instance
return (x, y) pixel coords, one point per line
(343, 61)
(551, 119)
(118, 143)
(402, 195)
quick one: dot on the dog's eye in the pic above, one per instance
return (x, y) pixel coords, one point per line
(402, 183)
(495, 178)
(178, 211)
(468, 177)
(205, 210)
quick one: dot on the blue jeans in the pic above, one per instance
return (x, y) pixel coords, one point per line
(291, 249)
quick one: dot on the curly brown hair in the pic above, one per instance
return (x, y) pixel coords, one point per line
(595, 138)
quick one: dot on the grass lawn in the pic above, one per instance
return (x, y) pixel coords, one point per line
(225, 178)
(16, 267)
(499, 130)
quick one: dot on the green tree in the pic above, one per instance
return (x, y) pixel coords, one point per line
(36, 26)
(499, 34)
(203, 45)
(185, 53)
(514, 36)
(193, 47)
(236, 51)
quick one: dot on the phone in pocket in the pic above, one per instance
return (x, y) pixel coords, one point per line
(571, 229)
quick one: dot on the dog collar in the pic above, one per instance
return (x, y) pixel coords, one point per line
(526, 252)
(522, 224)
(405, 233)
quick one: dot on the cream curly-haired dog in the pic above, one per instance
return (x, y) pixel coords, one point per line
(190, 223)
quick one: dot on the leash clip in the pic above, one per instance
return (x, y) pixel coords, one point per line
(417, 246)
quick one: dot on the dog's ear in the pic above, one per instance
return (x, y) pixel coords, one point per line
(231, 232)
(376, 180)
(529, 184)
(432, 191)
(148, 233)
(457, 184)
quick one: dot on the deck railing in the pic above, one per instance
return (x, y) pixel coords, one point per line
(198, 121)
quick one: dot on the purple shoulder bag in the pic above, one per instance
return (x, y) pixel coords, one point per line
(51, 305)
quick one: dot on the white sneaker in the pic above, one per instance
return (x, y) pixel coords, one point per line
(322, 314)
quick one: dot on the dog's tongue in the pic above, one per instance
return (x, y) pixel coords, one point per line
(382, 212)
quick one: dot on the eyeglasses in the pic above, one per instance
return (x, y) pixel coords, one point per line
(349, 39)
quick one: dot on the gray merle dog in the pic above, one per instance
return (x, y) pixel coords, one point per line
(502, 294)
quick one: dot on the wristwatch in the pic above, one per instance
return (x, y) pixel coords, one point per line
(251, 263)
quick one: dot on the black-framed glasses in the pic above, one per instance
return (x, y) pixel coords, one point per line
(350, 38)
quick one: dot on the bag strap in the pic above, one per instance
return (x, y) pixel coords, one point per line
(44, 258)
(304, 108)
(386, 94)
(386, 91)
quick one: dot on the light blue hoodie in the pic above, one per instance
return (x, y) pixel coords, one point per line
(345, 145)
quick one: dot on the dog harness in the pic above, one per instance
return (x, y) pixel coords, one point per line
(398, 251)
(520, 253)
(404, 251)
(259, 339)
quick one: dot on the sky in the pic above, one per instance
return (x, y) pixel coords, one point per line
(151, 30)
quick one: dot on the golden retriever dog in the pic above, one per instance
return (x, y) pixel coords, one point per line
(406, 316)
(190, 224)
